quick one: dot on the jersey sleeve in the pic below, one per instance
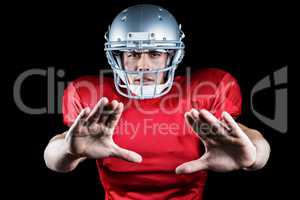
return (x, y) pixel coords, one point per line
(217, 91)
(228, 97)
(71, 104)
(85, 92)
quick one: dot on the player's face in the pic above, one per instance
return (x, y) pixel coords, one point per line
(152, 60)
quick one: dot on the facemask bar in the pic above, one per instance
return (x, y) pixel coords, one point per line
(145, 91)
(115, 65)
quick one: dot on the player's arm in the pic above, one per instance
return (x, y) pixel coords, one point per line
(90, 136)
(58, 158)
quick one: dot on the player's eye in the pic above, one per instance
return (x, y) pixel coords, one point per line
(132, 54)
(155, 54)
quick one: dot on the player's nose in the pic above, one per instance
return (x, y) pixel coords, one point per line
(143, 63)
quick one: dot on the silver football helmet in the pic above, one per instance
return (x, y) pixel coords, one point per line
(143, 28)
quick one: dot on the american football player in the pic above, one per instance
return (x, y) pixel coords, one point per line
(154, 135)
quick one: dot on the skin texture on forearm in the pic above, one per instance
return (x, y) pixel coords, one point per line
(57, 157)
(262, 148)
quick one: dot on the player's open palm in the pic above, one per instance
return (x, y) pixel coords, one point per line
(227, 147)
(91, 135)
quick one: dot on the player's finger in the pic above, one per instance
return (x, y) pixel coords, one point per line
(192, 166)
(191, 116)
(194, 114)
(194, 121)
(231, 123)
(107, 111)
(127, 155)
(96, 112)
(86, 113)
(81, 116)
(189, 119)
(215, 125)
(115, 117)
(83, 113)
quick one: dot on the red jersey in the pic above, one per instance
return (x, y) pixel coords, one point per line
(156, 129)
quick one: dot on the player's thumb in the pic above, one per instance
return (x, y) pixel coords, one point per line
(192, 166)
(127, 155)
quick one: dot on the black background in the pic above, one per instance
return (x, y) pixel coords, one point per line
(250, 40)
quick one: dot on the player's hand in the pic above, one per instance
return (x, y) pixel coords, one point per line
(90, 136)
(227, 147)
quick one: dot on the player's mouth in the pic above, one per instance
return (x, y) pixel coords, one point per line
(146, 81)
